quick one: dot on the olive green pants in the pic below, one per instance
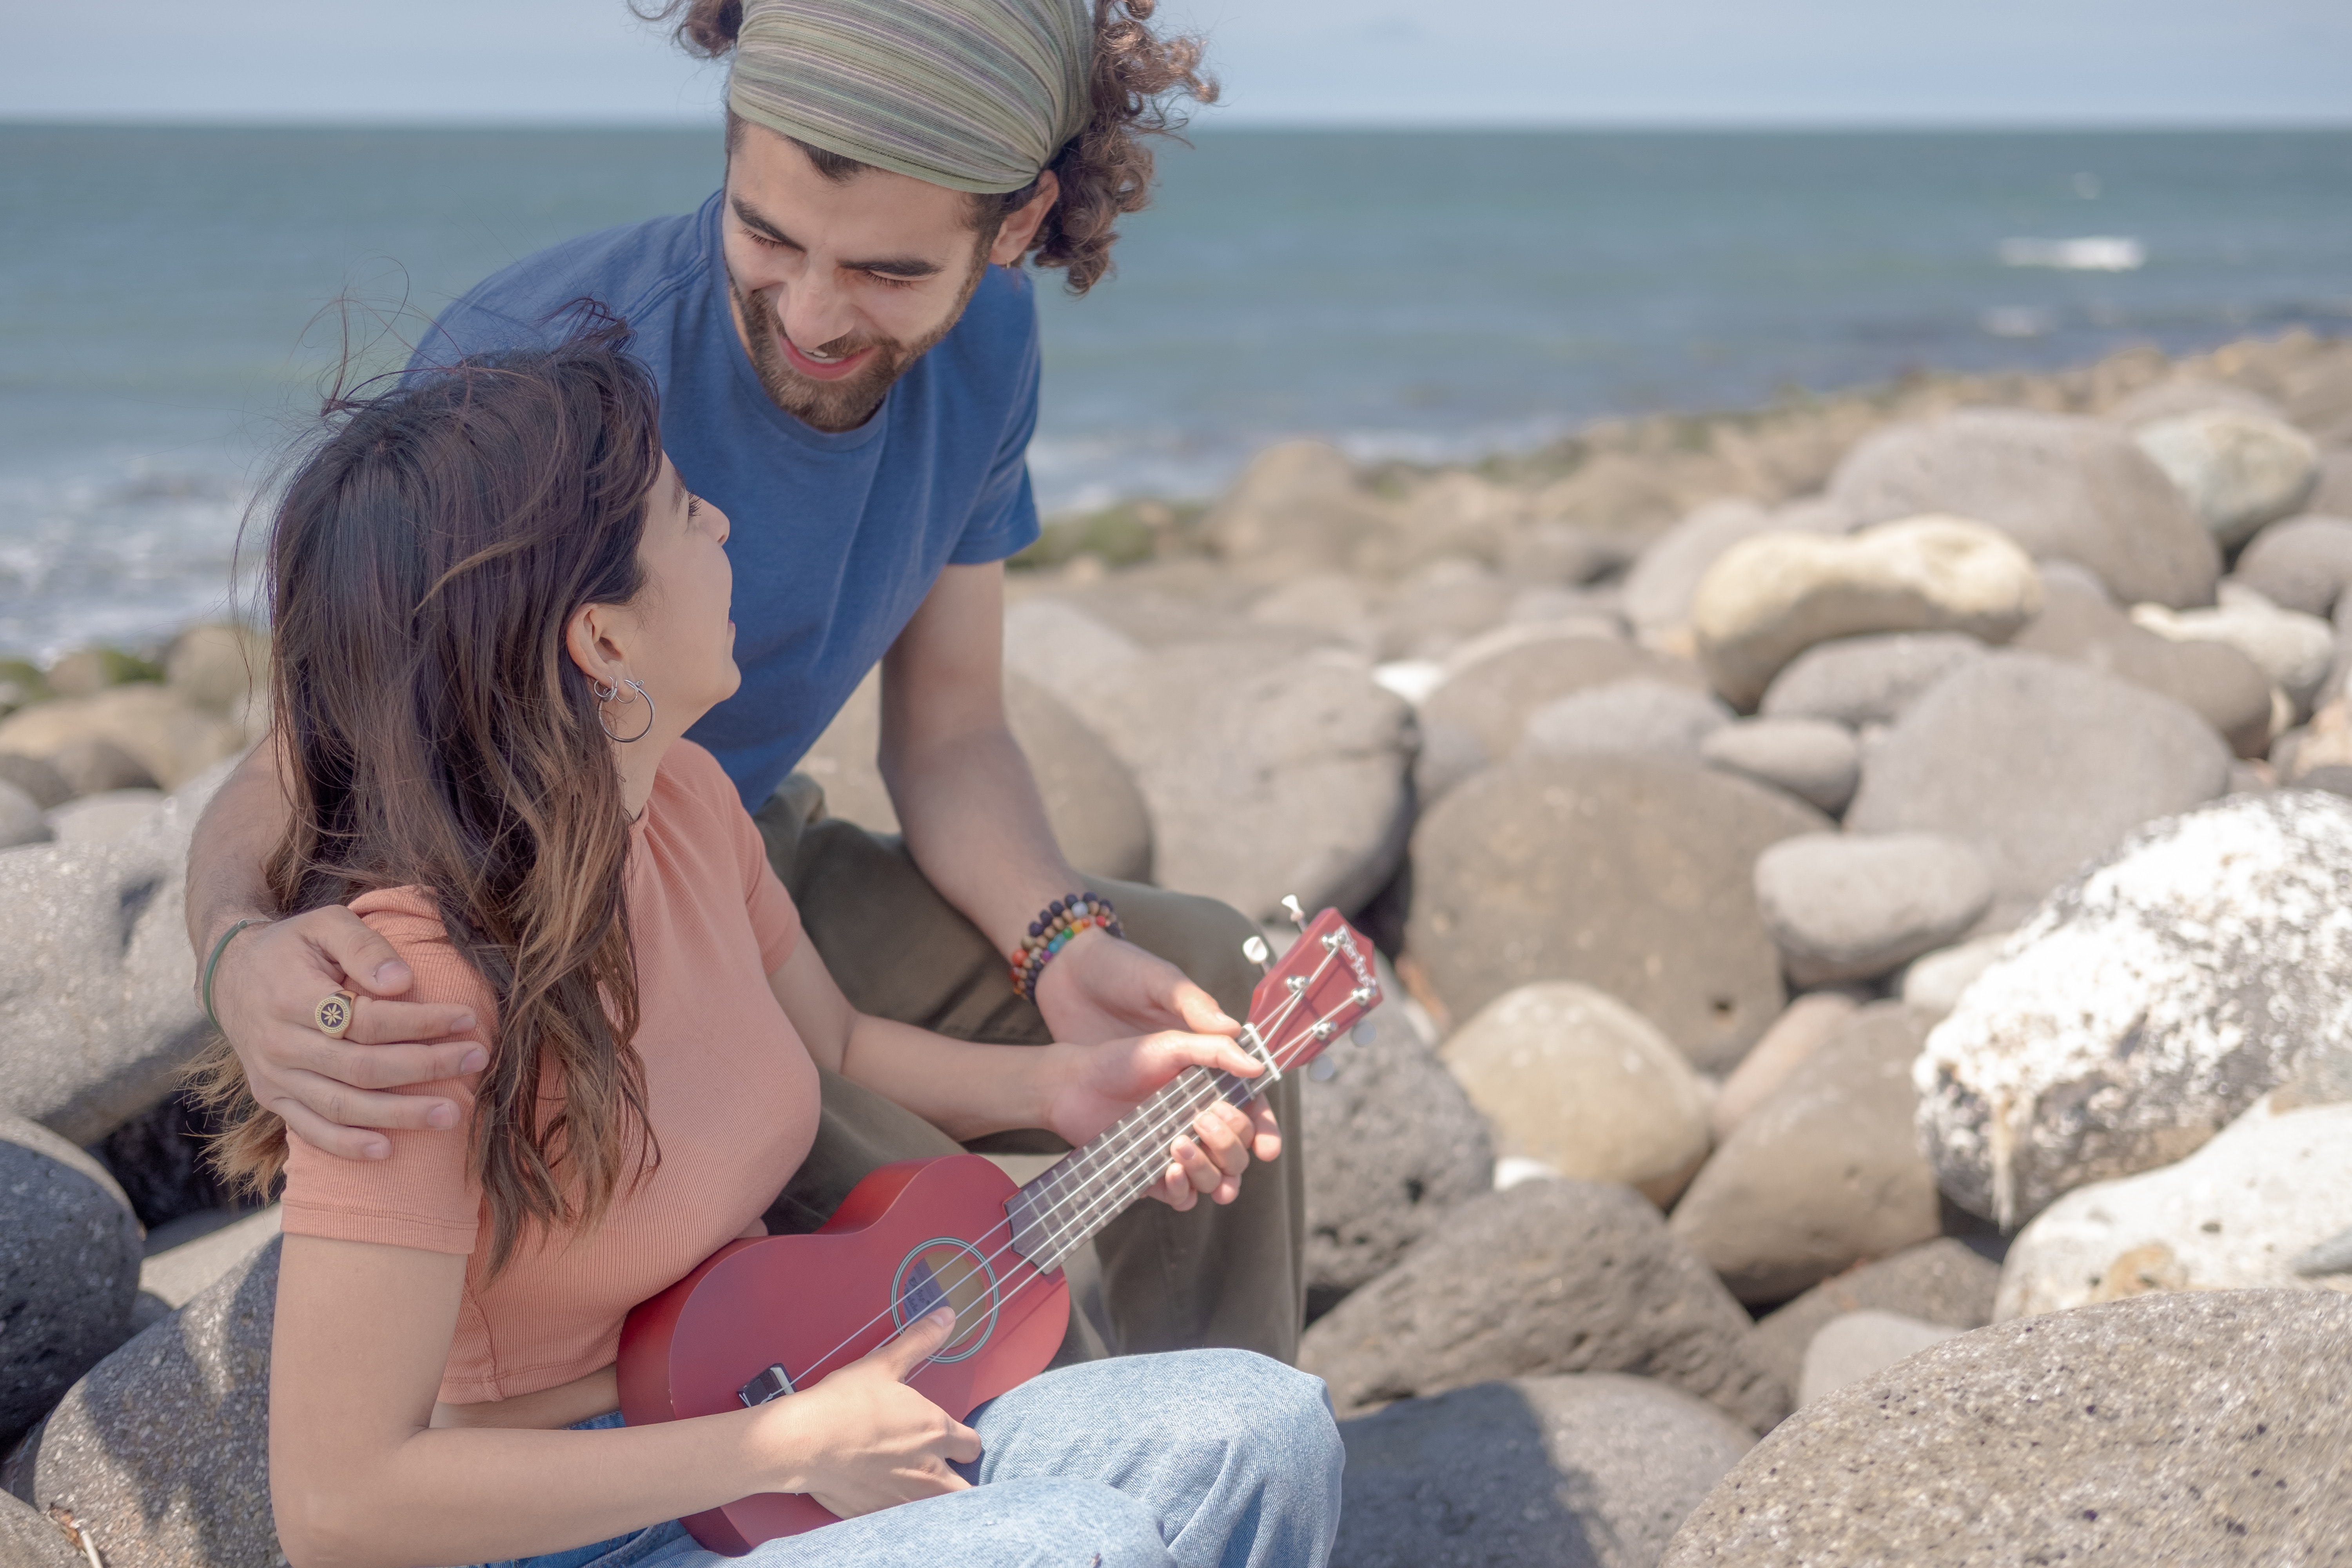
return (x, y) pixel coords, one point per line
(1229, 1277)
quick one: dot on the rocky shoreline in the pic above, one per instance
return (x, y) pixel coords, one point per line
(1867, 1076)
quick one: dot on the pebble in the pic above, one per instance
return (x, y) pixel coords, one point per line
(2237, 469)
(2293, 651)
(1641, 717)
(1853, 907)
(2215, 681)
(1552, 1276)
(1942, 1281)
(1573, 1077)
(2237, 1214)
(68, 1270)
(1773, 596)
(2039, 765)
(2300, 564)
(1857, 1345)
(1592, 1470)
(1818, 762)
(2205, 1428)
(2151, 1001)
(1824, 1173)
(2064, 487)
(1810, 1022)
(1626, 874)
(1855, 681)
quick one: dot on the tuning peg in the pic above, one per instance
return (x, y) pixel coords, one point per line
(1297, 915)
(1322, 1069)
(1365, 1033)
(1257, 951)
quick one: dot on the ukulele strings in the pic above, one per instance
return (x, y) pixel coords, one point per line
(1141, 1136)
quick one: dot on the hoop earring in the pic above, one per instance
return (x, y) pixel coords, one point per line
(607, 694)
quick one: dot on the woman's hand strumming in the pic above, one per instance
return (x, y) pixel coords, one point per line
(865, 1440)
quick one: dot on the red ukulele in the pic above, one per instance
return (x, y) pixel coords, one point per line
(764, 1317)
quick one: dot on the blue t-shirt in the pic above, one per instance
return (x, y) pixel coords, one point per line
(835, 538)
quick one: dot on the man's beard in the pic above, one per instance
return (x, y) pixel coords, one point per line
(847, 404)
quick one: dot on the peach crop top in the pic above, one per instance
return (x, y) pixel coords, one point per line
(731, 1095)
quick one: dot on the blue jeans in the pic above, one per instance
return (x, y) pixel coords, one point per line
(1192, 1460)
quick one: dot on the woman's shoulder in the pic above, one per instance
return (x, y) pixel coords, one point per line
(692, 786)
(403, 914)
(410, 918)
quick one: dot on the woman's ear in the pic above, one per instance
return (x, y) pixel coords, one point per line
(587, 637)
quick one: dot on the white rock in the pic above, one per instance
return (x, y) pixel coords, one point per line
(2235, 1216)
(2237, 471)
(2148, 1003)
(1933, 981)
(1853, 1346)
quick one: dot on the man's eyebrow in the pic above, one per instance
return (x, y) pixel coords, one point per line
(751, 218)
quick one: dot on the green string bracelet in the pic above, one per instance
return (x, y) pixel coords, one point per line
(214, 962)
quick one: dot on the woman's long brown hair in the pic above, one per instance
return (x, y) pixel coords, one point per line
(433, 731)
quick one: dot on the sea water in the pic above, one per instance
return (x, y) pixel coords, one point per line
(164, 294)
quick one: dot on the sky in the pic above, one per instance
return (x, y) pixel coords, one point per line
(1349, 62)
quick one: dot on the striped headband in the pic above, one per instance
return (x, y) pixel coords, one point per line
(975, 95)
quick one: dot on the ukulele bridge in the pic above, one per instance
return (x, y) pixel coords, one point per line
(770, 1385)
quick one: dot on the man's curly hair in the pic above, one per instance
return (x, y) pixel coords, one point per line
(1141, 81)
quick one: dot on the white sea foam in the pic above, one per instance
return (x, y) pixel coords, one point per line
(2093, 253)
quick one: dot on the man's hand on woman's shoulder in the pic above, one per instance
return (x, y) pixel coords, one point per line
(332, 1093)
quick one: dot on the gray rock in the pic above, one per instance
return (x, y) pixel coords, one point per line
(159, 1158)
(96, 973)
(2333, 498)
(37, 777)
(1480, 710)
(2190, 1428)
(2146, 1006)
(1440, 607)
(1821, 1175)
(1641, 717)
(1589, 1471)
(29, 1540)
(1561, 554)
(2064, 488)
(1933, 983)
(178, 1275)
(2301, 563)
(1295, 508)
(1391, 1146)
(2293, 651)
(219, 667)
(1091, 801)
(20, 817)
(2040, 765)
(2237, 469)
(95, 765)
(103, 818)
(1665, 578)
(1856, 1345)
(1939, 1281)
(68, 1270)
(2237, 1214)
(1855, 681)
(2218, 683)
(1629, 874)
(1811, 1021)
(1263, 778)
(1815, 760)
(1853, 907)
(2188, 394)
(162, 1452)
(1550, 1276)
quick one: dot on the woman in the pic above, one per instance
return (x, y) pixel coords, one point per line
(497, 610)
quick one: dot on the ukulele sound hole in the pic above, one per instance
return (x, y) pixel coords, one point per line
(951, 1273)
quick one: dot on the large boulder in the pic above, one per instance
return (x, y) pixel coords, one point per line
(1479, 712)
(2150, 1002)
(68, 1270)
(220, 668)
(1851, 907)
(1770, 598)
(2239, 1213)
(1263, 777)
(172, 738)
(2236, 469)
(1864, 681)
(1629, 874)
(1392, 1146)
(1596, 1471)
(2302, 563)
(1575, 1080)
(2040, 765)
(1939, 1281)
(97, 980)
(1550, 1276)
(2293, 651)
(162, 1453)
(2220, 685)
(1295, 508)
(1811, 1021)
(2064, 488)
(2190, 1428)
(1815, 760)
(1823, 1174)
(1091, 801)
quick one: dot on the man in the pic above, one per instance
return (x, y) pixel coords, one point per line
(848, 363)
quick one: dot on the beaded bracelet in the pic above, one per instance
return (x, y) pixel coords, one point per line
(1053, 929)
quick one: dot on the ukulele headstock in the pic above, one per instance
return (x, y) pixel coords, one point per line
(1314, 993)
